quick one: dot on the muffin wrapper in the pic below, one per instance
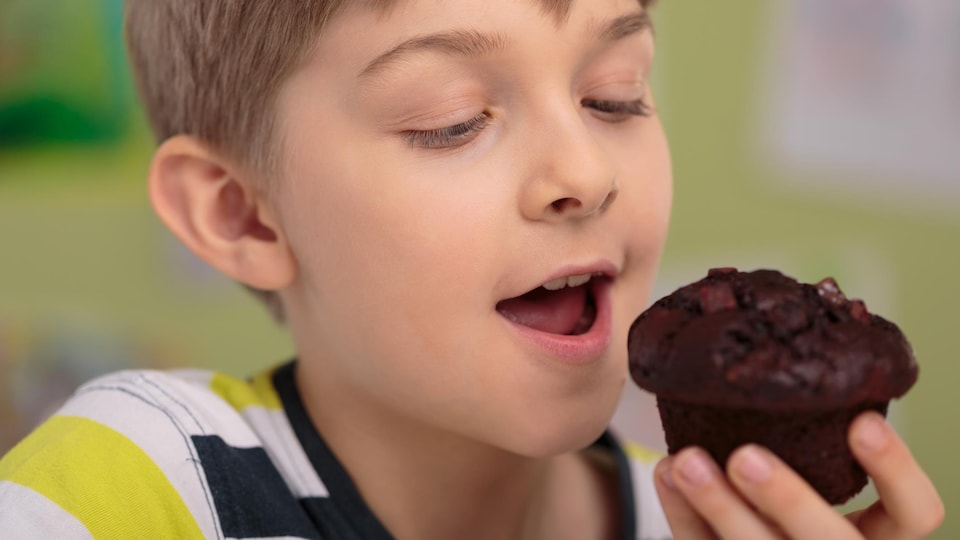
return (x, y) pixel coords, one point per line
(813, 443)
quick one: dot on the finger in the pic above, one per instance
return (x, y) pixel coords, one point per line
(910, 505)
(784, 497)
(684, 521)
(706, 489)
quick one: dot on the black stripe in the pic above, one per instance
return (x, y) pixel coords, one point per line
(251, 498)
(344, 515)
(628, 507)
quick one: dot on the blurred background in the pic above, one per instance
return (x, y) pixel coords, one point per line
(819, 137)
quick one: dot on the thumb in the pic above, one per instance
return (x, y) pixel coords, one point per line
(684, 520)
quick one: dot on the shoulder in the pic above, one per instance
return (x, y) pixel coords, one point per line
(132, 437)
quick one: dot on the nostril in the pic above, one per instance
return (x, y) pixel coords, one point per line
(566, 203)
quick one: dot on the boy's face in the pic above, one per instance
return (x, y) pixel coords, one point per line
(441, 161)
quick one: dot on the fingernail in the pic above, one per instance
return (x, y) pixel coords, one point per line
(695, 469)
(753, 465)
(872, 433)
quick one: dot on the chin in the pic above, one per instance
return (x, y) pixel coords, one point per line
(545, 445)
(559, 434)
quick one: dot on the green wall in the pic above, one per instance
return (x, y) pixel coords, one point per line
(728, 208)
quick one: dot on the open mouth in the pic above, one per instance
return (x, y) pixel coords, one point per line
(564, 306)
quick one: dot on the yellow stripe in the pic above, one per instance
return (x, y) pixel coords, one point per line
(241, 394)
(101, 478)
(641, 453)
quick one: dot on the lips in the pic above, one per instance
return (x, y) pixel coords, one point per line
(573, 304)
(572, 320)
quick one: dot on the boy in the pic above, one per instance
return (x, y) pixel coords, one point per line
(458, 208)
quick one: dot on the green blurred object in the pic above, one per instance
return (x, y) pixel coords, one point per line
(63, 74)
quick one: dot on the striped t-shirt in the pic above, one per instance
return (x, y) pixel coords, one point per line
(198, 454)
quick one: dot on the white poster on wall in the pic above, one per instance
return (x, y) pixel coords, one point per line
(867, 91)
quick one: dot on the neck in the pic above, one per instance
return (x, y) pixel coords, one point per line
(427, 483)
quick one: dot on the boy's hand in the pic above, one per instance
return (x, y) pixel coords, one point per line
(760, 497)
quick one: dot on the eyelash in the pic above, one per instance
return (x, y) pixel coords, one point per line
(448, 137)
(460, 134)
(619, 111)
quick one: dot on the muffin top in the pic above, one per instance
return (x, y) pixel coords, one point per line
(762, 340)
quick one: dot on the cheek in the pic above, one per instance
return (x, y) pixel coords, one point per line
(398, 272)
(646, 199)
(647, 190)
(409, 253)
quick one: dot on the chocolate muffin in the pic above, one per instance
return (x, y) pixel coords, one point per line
(742, 357)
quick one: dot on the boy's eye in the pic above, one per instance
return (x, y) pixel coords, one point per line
(448, 137)
(618, 111)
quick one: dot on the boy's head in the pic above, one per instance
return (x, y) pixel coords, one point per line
(213, 68)
(427, 184)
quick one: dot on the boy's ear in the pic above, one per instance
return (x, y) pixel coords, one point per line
(212, 208)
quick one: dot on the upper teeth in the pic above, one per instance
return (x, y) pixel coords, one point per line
(569, 281)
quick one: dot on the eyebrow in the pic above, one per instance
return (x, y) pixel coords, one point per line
(455, 42)
(626, 26)
(471, 43)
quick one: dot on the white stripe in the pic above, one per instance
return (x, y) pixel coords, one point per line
(198, 377)
(196, 408)
(34, 516)
(159, 411)
(140, 405)
(285, 451)
(190, 391)
(651, 522)
(275, 434)
(267, 538)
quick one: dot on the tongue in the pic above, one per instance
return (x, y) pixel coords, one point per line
(556, 312)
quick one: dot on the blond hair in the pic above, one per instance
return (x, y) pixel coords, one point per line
(213, 69)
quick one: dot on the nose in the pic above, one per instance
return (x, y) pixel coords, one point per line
(571, 175)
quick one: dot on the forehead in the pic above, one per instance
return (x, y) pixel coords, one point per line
(382, 21)
(366, 32)
(362, 32)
